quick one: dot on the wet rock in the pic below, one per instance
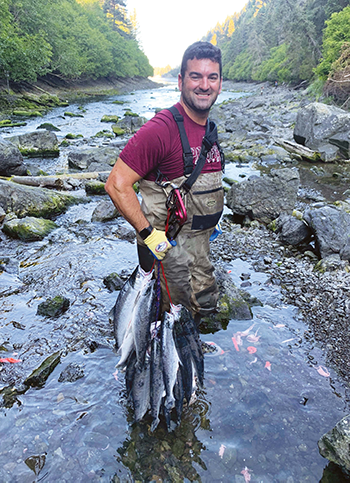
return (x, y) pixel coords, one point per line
(95, 188)
(11, 159)
(265, 198)
(28, 228)
(93, 159)
(231, 304)
(291, 230)
(109, 118)
(31, 201)
(105, 211)
(324, 128)
(335, 444)
(36, 462)
(129, 123)
(331, 227)
(2, 214)
(113, 282)
(71, 373)
(40, 375)
(41, 143)
(53, 307)
(48, 126)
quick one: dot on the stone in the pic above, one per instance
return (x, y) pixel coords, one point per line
(40, 375)
(40, 143)
(325, 129)
(265, 198)
(97, 159)
(335, 445)
(11, 160)
(105, 211)
(28, 228)
(291, 230)
(53, 307)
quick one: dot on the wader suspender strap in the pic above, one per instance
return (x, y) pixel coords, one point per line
(210, 138)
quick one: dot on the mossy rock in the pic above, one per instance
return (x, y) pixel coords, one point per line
(104, 134)
(229, 181)
(118, 102)
(113, 282)
(27, 113)
(72, 114)
(53, 307)
(118, 131)
(8, 123)
(95, 188)
(37, 153)
(39, 377)
(107, 118)
(48, 126)
(73, 136)
(29, 228)
(130, 113)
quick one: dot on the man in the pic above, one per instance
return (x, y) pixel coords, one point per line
(156, 148)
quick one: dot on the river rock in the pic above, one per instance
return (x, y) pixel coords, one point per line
(11, 159)
(53, 307)
(71, 373)
(232, 304)
(265, 198)
(105, 211)
(40, 143)
(331, 227)
(30, 201)
(93, 159)
(28, 228)
(325, 129)
(291, 230)
(130, 124)
(335, 444)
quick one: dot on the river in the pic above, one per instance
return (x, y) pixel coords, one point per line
(261, 411)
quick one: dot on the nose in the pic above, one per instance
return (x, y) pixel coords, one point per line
(204, 84)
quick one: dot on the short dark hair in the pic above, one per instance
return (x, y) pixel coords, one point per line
(201, 50)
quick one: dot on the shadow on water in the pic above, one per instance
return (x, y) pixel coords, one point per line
(268, 395)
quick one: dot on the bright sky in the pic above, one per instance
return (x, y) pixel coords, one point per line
(168, 28)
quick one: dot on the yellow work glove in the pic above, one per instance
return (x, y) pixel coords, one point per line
(158, 244)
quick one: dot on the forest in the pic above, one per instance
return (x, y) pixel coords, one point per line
(73, 39)
(289, 41)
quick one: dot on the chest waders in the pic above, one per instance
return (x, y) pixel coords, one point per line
(187, 267)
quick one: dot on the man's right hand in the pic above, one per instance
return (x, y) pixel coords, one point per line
(158, 244)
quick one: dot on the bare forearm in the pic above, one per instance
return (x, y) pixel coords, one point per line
(128, 206)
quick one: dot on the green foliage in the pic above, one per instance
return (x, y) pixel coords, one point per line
(336, 34)
(72, 38)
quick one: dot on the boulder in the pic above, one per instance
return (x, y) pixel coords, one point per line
(28, 228)
(93, 159)
(11, 159)
(129, 124)
(40, 143)
(291, 230)
(335, 445)
(325, 129)
(105, 211)
(31, 201)
(265, 198)
(331, 227)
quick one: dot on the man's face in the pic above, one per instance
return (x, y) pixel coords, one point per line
(201, 85)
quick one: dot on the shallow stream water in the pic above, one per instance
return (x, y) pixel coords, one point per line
(268, 396)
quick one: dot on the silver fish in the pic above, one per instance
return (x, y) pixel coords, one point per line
(145, 312)
(170, 356)
(124, 305)
(140, 391)
(157, 381)
(191, 334)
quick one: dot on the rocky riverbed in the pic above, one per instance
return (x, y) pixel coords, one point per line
(76, 253)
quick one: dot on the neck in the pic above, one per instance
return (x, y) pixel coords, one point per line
(198, 117)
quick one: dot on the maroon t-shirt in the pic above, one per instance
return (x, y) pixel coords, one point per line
(157, 146)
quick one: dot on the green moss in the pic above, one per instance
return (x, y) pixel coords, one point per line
(44, 153)
(130, 113)
(27, 113)
(72, 114)
(53, 307)
(48, 126)
(41, 374)
(118, 131)
(118, 102)
(29, 229)
(95, 188)
(8, 123)
(104, 134)
(110, 118)
(73, 136)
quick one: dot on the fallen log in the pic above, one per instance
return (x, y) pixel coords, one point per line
(298, 149)
(58, 181)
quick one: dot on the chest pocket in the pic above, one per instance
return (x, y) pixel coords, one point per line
(206, 202)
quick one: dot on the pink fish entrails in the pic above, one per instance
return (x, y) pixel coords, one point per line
(323, 371)
(222, 450)
(246, 474)
(10, 359)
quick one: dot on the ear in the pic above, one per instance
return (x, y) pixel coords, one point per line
(179, 82)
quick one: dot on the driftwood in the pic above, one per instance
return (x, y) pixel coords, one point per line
(58, 181)
(299, 150)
